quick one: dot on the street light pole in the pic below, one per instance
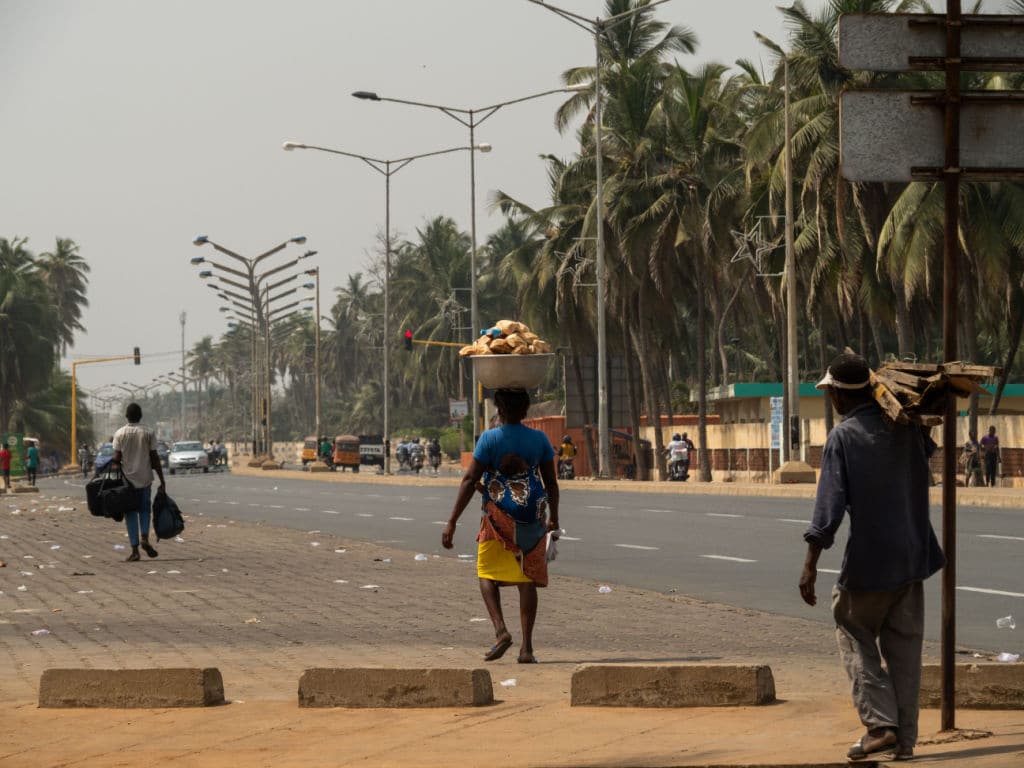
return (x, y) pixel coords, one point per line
(598, 27)
(315, 271)
(184, 431)
(387, 168)
(471, 119)
(253, 286)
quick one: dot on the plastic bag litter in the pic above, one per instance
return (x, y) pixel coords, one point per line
(23, 588)
(65, 509)
(420, 557)
(370, 586)
(55, 546)
(604, 590)
(175, 572)
(341, 551)
(179, 539)
(119, 546)
(341, 581)
(85, 591)
(1006, 622)
(477, 618)
(552, 552)
(1011, 657)
(314, 543)
(510, 683)
(40, 632)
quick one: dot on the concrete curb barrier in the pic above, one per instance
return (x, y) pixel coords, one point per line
(978, 686)
(696, 685)
(25, 489)
(371, 687)
(131, 688)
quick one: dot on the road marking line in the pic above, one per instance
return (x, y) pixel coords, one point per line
(440, 522)
(212, 501)
(302, 509)
(794, 520)
(276, 506)
(330, 512)
(827, 570)
(251, 505)
(232, 503)
(595, 506)
(730, 559)
(991, 591)
(665, 511)
(571, 538)
(634, 546)
(403, 519)
(1005, 538)
(363, 514)
(722, 514)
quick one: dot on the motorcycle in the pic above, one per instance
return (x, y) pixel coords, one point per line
(416, 458)
(566, 469)
(679, 464)
(435, 461)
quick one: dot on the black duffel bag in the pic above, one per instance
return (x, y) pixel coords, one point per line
(167, 520)
(108, 479)
(116, 496)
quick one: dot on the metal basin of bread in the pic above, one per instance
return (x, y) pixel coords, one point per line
(511, 371)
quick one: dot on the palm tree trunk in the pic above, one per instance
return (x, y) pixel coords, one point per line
(581, 392)
(1015, 331)
(721, 327)
(702, 378)
(632, 395)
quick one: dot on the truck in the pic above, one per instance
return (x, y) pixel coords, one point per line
(371, 450)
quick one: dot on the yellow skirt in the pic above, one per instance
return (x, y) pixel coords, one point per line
(496, 563)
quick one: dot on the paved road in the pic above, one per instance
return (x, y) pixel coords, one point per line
(741, 551)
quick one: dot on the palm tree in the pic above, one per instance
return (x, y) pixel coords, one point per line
(65, 273)
(28, 334)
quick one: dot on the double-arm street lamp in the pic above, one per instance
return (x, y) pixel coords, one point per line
(470, 118)
(251, 301)
(315, 273)
(387, 168)
(598, 28)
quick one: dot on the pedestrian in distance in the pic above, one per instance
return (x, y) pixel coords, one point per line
(5, 465)
(971, 460)
(516, 466)
(135, 454)
(990, 454)
(876, 471)
(31, 463)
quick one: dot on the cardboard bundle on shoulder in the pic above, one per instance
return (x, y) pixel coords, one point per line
(916, 392)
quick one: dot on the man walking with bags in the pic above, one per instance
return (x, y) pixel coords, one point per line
(877, 472)
(135, 454)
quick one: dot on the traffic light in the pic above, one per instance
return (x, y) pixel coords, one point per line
(408, 341)
(138, 356)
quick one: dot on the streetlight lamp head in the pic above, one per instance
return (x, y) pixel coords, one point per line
(307, 254)
(368, 95)
(313, 271)
(288, 146)
(299, 240)
(309, 286)
(483, 147)
(196, 260)
(223, 309)
(201, 240)
(206, 273)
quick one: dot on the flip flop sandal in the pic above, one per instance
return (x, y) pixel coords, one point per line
(874, 744)
(498, 649)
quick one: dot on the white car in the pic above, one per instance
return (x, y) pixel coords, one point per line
(188, 455)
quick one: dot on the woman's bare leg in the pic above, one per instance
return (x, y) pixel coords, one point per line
(528, 615)
(492, 600)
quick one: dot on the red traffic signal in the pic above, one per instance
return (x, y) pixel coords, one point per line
(408, 340)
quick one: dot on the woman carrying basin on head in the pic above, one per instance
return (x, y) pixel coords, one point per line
(516, 465)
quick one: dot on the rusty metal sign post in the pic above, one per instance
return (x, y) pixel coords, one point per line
(951, 44)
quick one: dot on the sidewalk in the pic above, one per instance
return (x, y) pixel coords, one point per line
(263, 603)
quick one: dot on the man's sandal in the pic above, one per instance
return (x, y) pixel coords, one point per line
(870, 743)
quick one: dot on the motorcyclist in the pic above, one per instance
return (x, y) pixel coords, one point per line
(679, 457)
(566, 453)
(416, 455)
(402, 454)
(434, 454)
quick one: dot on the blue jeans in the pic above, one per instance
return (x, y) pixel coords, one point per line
(139, 516)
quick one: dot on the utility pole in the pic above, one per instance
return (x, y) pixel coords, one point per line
(184, 431)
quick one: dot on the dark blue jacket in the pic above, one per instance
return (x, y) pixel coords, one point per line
(878, 472)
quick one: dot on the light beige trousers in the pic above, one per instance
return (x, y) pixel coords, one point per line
(877, 627)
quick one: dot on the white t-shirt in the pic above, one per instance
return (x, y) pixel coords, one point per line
(135, 441)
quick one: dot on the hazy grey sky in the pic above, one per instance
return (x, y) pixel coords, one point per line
(131, 126)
